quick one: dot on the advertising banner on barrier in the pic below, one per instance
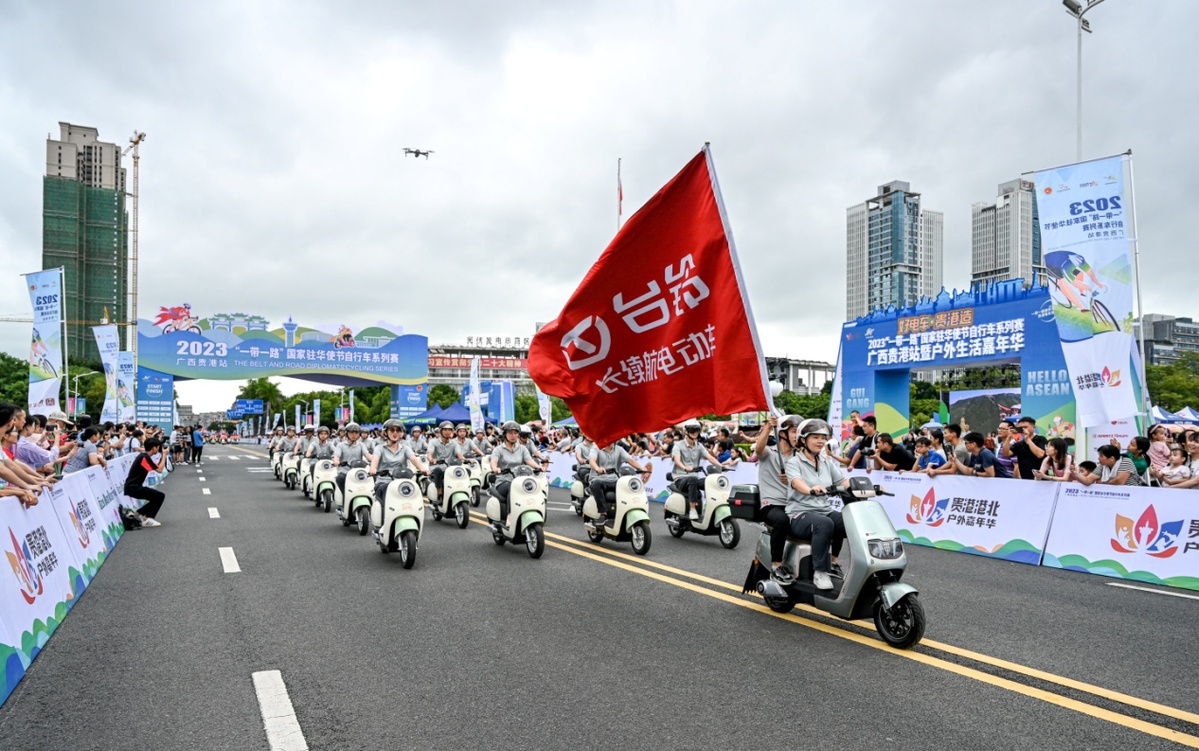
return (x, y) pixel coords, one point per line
(12, 667)
(45, 351)
(126, 388)
(40, 582)
(1085, 238)
(107, 497)
(1143, 534)
(108, 341)
(82, 524)
(236, 346)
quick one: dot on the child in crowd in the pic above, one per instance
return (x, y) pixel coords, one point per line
(1176, 471)
(927, 458)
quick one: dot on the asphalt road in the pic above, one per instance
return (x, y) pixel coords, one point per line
(590, 647)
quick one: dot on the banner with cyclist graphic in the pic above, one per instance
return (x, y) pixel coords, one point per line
(234, 346)
(1086, 250)
(1142, 534)
(45, 351)
(108, 341)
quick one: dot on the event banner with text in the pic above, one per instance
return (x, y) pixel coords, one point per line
(45, 351)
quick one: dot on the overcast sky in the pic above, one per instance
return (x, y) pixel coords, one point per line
(273, 178)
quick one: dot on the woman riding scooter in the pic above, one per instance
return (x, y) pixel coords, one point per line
(812, 516)
(350, 451)
(506, 457)
(393, 457)
(772, 488)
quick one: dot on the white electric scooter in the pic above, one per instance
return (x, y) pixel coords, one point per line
(355, 503)
(291, 471)
(456, 499)
(871, 586)
(397, 519)
(306, 476)
(579, 488)
(475, 468)
(716, 518)
(324, 482)
(526, 513)
(277, 464)
(630, 521)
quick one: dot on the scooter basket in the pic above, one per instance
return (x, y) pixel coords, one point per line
(745, 502)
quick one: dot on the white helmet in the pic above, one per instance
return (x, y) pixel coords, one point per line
(692, 426)
(791, 421)
(814, 426)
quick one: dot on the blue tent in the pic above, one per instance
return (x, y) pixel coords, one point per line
(568, 422)
(455, 413)
(433, 414)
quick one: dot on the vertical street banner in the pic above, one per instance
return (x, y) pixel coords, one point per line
(108, 341)
(45, 351)
(660, 329)
(299, 426)
(836, 411)
(544, 408)
(1086, 244)
(126, 388)
(473, 399)
(316, 412)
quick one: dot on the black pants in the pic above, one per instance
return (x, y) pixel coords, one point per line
(600, 485)
(437, 475)
(197, 451)
(152, 497)
(780, 526)
(820, 529)
(691, 486)
(501, 492)
(341, 482)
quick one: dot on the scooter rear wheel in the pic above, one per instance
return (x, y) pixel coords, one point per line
(676, 532)
(781, 604)
(476, 497)
(903, 625)
(595, 536)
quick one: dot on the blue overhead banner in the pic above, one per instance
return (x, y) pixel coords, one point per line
(997, 325)
(238, 346)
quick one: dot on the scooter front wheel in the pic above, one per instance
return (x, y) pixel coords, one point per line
(903, 625)
(461, 515)
(291, 483)
(641, 538)
(364, 520)
(730, 533)
(327, 500)
(408, 549)
(535, 540)
(476, 497)
(578, 509)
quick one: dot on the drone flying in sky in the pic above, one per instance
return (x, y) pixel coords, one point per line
(417, 152)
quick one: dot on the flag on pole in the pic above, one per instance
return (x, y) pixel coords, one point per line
(473, 399)
(544, 408)
(660, 329)
(46, 350)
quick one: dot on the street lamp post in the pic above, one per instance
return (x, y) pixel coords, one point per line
(1078, 10)
(75, 389)
(303, 412)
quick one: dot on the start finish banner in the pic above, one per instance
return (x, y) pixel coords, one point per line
(1085, 231)
(236, 346)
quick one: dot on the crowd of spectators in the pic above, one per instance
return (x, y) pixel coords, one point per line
(1016, 450)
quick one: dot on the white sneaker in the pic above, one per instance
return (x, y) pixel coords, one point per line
(149, 522)
(693, 516)
(822, 580)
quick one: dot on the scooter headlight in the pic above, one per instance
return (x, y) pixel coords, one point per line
(634, 485)
(326, 465)
(459, 473)
(885, 550)
(529, 485)
(405, 489)
(722, 482)
(360, 475)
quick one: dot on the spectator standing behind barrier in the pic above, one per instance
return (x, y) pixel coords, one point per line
(150, 460)
(891, 457)
(197, 446)
(1028, 448)
(1005, 436)
(982, 461)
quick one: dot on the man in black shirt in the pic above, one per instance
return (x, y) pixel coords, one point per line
(1029, 450)
(150, 460)
(892, 457)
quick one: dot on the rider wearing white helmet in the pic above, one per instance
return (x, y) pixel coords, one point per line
(812, 516)
(687, 454)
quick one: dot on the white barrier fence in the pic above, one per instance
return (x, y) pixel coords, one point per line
(1141, 534)
(53, 551)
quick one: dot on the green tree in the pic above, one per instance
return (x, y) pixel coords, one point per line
(1174, 386)
(526, 408)
(14, 379)
(815, 405)
(443, 395)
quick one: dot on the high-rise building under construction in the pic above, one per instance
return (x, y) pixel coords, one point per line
(85, 230)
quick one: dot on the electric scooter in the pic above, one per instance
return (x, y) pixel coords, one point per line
(579, 488)
(716, 518)
(306, 476)
(631, 514)
(291, 471)
(277, 464)
(526, 513)
(324, 483)
(397, 519)
(475, 468)
(356, 500)
(456, 499)
(871, 586)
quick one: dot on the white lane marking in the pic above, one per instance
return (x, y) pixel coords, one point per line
(1154, 591)
(234, 458)
(214, 457)
(205, 491)
(213, 513)
(229, 561)
(254, 456)
(202, 479)
(259, 470)
(283, 731)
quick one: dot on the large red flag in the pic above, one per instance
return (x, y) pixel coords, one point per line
(660, 330)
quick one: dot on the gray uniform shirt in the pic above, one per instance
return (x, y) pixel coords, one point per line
(440, 451)
(827, 473)
(419, 445)
(321, 450)
(351, 452)
(772, 489)
(689, 455)
(611, 458)
(394, 461)
(509, 459)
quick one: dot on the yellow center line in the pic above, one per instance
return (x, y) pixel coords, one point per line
(1065, 702)
(1134, 701)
